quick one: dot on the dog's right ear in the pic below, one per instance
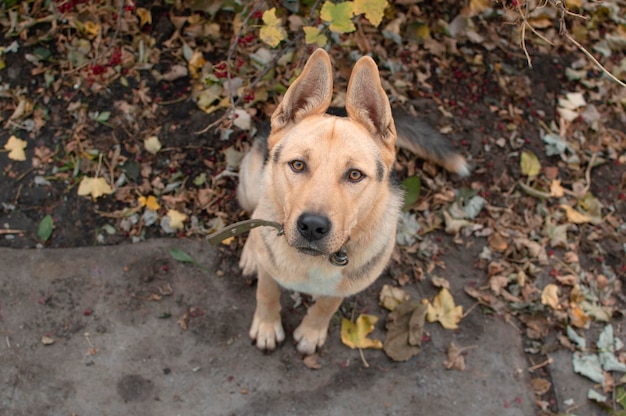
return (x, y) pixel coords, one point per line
(310, 93)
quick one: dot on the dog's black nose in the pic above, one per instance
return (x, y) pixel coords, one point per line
(313, 227)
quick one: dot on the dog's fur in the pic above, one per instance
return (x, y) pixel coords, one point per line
(329, 181)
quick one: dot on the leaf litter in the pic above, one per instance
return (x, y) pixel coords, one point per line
(548, 184)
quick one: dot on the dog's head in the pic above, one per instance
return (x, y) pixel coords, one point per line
(329, 174)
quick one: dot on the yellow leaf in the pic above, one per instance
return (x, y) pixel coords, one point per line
(550, 296)
(92, 29)
(152, 144)
(374, 10)
(444, 310)
(96, 187)
(195, 64)
(578, 317)
(354, 335)
(176, 219)
(272, 32)
(313, 35)
(145, 17)
(149, 202)
(556, 189)
(574, 216)
(530, 164)
(16, 148)
(479, 6)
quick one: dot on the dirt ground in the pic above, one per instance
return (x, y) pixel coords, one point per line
(88, 277)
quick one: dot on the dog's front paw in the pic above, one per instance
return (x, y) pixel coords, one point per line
(267, 332)
(309, 338)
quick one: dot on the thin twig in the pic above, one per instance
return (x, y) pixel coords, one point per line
(540, 365)
(594, 60)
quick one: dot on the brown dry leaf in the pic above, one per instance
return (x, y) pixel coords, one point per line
(456, 359)
(441, 282)
(567, 280)
(497, 242)
(405, 327)
(550, 296)
(390, 297)
(540, 386)
(556, 190)
(183, 321)
(498, 283)
(310, 361)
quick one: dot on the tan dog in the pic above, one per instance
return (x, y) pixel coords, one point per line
(329, 181)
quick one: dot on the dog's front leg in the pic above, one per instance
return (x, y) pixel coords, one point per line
(313, 330)
(266, 326)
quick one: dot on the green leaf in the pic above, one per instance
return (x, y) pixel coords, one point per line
(103, 116)
(313, 35)
(182, 256)
(530, 164)
(339, 16)
(374, 10)
(46, 226)
(412, 186)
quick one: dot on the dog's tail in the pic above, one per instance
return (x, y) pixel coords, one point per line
(420, 138)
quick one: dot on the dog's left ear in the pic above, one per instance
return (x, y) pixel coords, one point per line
(367, 102)
(309, 94)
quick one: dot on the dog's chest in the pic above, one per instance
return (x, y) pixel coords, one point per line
(318, 282)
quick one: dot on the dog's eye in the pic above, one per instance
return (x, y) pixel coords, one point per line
(355, 175)
(297, 166)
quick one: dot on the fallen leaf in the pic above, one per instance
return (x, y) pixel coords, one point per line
(310, 361)
(183, 321)
(556, 190)
(444, 310)
(96, 187)
(46, 226)
(578, 317)
(339, 16)
(16, 148)
(177, 219)
(455, 360)
(46, 340)
(272, 31)
(540, 386)
(530, 164)
(497, 242)
(150, 202)
(574, 216)
(550, 296)
(405, 327)
(354, 335)
(152, 144)
(390, 297)
(589, 366)
(441, 282)
(145, 17)
(374, 10)
(313, 35)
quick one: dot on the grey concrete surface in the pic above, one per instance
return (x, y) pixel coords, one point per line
(118, 349)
